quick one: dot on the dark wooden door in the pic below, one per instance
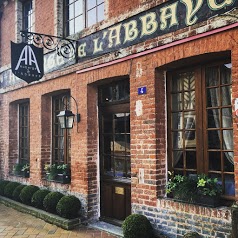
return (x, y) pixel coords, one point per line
(115, 172)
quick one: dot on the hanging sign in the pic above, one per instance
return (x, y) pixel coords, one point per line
(27, 61)
(165, 18)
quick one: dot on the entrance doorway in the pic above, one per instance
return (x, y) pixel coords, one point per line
(115, 163)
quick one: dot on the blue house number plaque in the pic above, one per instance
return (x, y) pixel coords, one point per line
(141, 90)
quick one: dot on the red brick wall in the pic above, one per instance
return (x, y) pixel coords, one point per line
(7, 32)
(44, 17)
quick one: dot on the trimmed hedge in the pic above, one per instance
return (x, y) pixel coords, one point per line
(17, 191)
(3, 184)
(27, 193)
(51, 200)
(68, 207)
(9, 189)
(38, 198)
(137, 226)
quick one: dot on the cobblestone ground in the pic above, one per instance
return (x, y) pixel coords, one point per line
(21, 225)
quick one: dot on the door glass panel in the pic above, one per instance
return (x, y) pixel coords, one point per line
(108, 144)
(119, 144)
(119, 123)
(108, 169)
(119, 167)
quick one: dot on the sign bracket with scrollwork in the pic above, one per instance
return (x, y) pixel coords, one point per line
(63, 47)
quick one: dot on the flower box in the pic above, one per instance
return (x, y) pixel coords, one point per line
(198, 189)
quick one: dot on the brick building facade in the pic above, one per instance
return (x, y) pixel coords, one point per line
(125, 143)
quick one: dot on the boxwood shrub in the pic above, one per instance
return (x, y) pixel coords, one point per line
(137, 226)
(3, 184)
(27, 193)
(51, 200)
(17, 191)
(38, 197)
(9, 189)
(68, 207)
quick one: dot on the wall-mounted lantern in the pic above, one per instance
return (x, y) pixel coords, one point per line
(66, 117)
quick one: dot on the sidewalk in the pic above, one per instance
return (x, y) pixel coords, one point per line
(21, 225)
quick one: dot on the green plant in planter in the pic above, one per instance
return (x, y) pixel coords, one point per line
(63, 169)
(191, 235)
(17, 168)
(26, 170)
(51, 171)
(193, 188)
(137, 226)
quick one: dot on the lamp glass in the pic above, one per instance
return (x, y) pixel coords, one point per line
(66, 119)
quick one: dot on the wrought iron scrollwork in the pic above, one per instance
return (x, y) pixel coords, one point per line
(63, 47)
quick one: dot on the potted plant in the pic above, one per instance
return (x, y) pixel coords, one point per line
(198, 189)
(26, 170)
(63, 175)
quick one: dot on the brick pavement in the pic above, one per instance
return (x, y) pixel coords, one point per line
(21, 225)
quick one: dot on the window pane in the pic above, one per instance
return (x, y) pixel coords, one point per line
(178, 159)
(177, 121)
(226, 95)
(214, 139)
(177, 102)
(189, 100)
(214, 158)
(79, 24)
(213, 118)
(71, 11)
(78, 8)
(228, 161)
(107, 124)
(177, 140)
(213, 97)
(91, 17)
(229, 185)
(71, 27)
(91, 4)
(100, 1)
(228, 140)
(100, 10)
(191, 160)
(212, 76)
(227, 117)
(226, 74)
